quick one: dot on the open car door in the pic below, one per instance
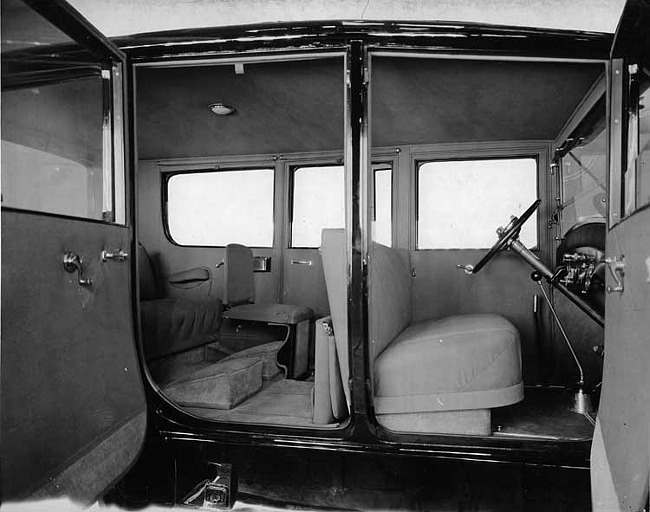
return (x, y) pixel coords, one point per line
(73, 403)
(621, 448)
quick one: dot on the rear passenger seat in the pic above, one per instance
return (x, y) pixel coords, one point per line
(184, 356)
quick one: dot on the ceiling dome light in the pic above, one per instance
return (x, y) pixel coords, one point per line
(221, 109)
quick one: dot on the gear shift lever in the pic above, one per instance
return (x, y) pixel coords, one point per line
(581, 400)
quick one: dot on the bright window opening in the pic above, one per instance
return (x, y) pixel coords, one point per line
(318, 203)
(461, 203)
(222, 207)
(382, 205)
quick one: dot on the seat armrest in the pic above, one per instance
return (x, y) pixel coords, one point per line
(190, 277)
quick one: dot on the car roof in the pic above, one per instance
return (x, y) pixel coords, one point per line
(126, 17)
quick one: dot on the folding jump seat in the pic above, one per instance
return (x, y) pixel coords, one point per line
(238, 297)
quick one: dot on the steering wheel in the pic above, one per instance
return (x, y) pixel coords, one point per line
(510, 232)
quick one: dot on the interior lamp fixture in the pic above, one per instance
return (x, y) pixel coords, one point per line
(221, 109)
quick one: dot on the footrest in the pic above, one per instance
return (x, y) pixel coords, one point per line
(223, 385)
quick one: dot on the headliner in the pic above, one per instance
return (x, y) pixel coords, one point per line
(298, 106)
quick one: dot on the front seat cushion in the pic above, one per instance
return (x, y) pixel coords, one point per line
(456, 363)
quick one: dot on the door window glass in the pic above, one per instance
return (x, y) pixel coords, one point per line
(636, 176)
(461, 203)
(56, 120)
(318, 202)
(583, 164)
(221, 207)
(382, 204)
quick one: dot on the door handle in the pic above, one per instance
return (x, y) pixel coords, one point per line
(302, 262)
(118, 255)
(617, 270)
(72, 263)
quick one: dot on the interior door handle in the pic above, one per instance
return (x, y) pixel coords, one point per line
(72, 263)
(118, 255)
(302, 262)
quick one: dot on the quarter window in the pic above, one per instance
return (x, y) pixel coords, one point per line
(382, 204)
(318, 202)
(461, 203)
(221, 207)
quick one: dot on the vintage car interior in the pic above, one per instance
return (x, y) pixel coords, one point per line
(247, 154)
(377, 238)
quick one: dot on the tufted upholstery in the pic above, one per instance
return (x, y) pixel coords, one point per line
(170, 326)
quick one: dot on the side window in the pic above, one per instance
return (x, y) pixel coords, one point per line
(215, 208)
(461, 203)
(636, 175)
(583, 164)
(318, 202)
(382, 204)
(57, 123)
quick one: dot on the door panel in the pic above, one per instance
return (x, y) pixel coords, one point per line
(70, 376)
(621, 449)
(620, 455)
(73, 403)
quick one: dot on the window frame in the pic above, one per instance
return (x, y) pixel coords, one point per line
(540, 151)
(167, 175)
(114, 177)
(292, 165)
(389, 157)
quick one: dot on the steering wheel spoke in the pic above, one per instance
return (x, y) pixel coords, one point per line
(506, 236)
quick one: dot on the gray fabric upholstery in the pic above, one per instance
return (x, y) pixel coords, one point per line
(329, 398)
(335, 267)
(475, 422)
(238, 284)
(150, 288)
(170, 326)
(460, 362)
(239, 291)
(270, 313)
(390, 296)
(220, 386)
(267, 353)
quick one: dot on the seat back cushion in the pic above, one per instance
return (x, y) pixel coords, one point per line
(149, 285)
(238, 284)
(390, 296)
(335, 267)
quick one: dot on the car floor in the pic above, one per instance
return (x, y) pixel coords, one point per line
(281, 401)
(545, 414)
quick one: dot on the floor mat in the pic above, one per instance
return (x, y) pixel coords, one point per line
(284, 402)
(543, 414)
